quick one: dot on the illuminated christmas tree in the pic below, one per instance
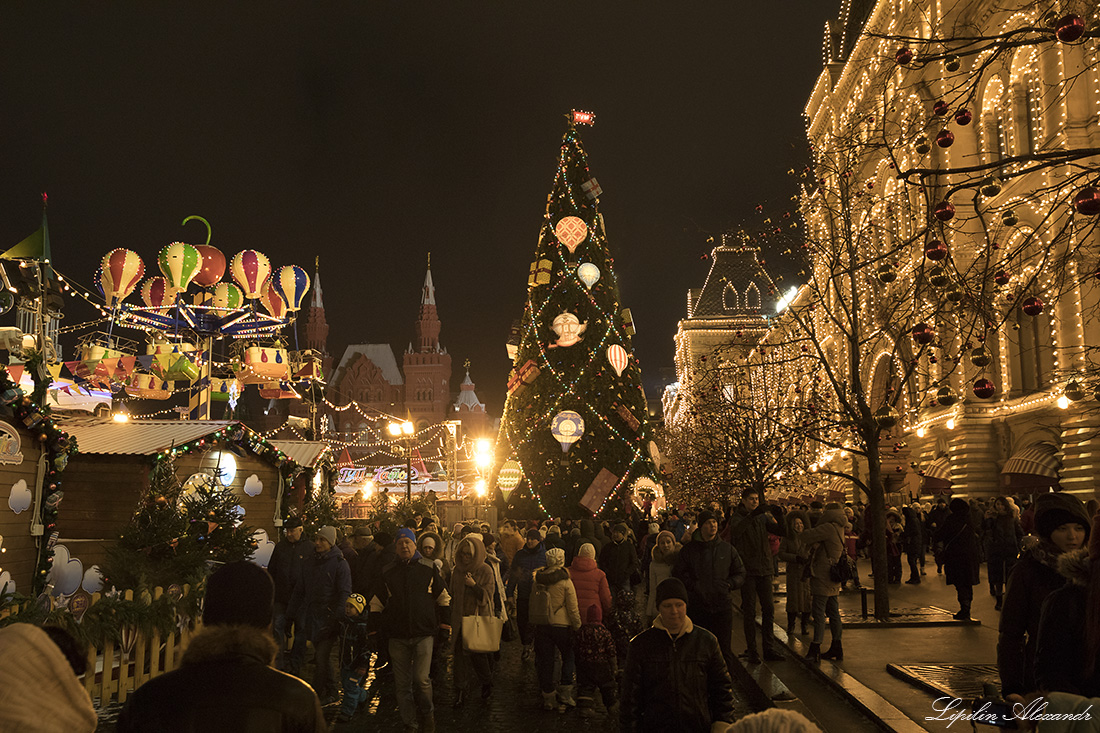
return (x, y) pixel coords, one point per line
(575, 416)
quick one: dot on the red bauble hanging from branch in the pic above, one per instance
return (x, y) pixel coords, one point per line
(935, 250)
(1070, 28)
(945, 211)
(1087, 201)
(963, 116)
(923, 334)
(984, 389)
(941, 108)
(1032, 306)
(1001, 277)
(903, 55)
(945, 139)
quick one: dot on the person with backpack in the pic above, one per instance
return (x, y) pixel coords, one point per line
(554, 615)
(828, 571)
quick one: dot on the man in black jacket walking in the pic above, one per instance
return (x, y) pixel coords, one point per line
(663, 689)
(711, 570)
(413, 603)
(285, 567)
(750, 522)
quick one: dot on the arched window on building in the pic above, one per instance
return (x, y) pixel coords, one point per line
(996, 135)
(752, 297)
(729, 298)
(1031, 352)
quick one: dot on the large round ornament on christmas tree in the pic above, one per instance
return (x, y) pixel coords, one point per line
(511, 473)
(567, 428)
(945, 396)
(618, 357)
(571, 231)
(1087, 201)
(179, 262)
(923, 334)
(250, 270)
(589, 274)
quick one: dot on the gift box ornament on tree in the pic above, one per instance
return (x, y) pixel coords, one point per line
(575, 337)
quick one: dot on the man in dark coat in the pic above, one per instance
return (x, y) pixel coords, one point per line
(412, 601)
(750, 523)
(361, 566)
(225, 681)
(285, 567)
(711, 569)
(935, 520)
(961, 562)
(317, 604)
(528, 559)
(619, 560)
(675, 678)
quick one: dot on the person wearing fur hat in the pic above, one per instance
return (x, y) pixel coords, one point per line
(1067, 655)
(563, 617)
(38, 682)
(797, 556)
(1003, 533)
(590, 582)
(1062, 526)
(318, 603)
(959, 539)
(528, 559)
(663, 558)
(430, 547)
(411, 605)
(225, 679)
(472, 588)
(675, 678)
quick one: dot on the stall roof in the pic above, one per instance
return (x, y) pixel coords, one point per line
(138, 437)
(303, 452)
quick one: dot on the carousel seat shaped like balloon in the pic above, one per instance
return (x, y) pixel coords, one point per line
(250, 270)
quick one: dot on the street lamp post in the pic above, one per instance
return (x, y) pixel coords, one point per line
(404, 430)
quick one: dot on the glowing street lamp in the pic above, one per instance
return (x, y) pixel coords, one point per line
(404, 430)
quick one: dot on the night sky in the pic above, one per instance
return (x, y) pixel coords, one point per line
(372, 133)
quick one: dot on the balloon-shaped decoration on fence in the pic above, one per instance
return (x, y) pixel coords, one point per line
(618, 357)
(568, 427)
(291, 282)
(119, 273)
(571, 231)
(589, 274)
(213, 266)
(272, 302)
(179, 263)
(250, 270)
(156, 293)
(227, 295)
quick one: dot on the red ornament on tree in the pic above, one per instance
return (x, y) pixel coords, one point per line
(1070, 28)
(1001, 277)
(923, 334)
(1032, 306)
(903, 55)
(935, 250)
(984, 389)
(945, 211)
(945, 139)
(940, 108)
(1087, 201)
(963, 116)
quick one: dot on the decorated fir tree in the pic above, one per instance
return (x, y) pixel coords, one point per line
(575, 417)
(177, 532)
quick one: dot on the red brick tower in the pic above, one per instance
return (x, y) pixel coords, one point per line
(316, 325)
(427, 367)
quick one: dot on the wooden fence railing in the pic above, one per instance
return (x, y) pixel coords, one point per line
(116, 670)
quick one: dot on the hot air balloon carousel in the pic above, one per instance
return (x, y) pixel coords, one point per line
(189, 307)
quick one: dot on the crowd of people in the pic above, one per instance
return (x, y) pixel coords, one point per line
(637, 614)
